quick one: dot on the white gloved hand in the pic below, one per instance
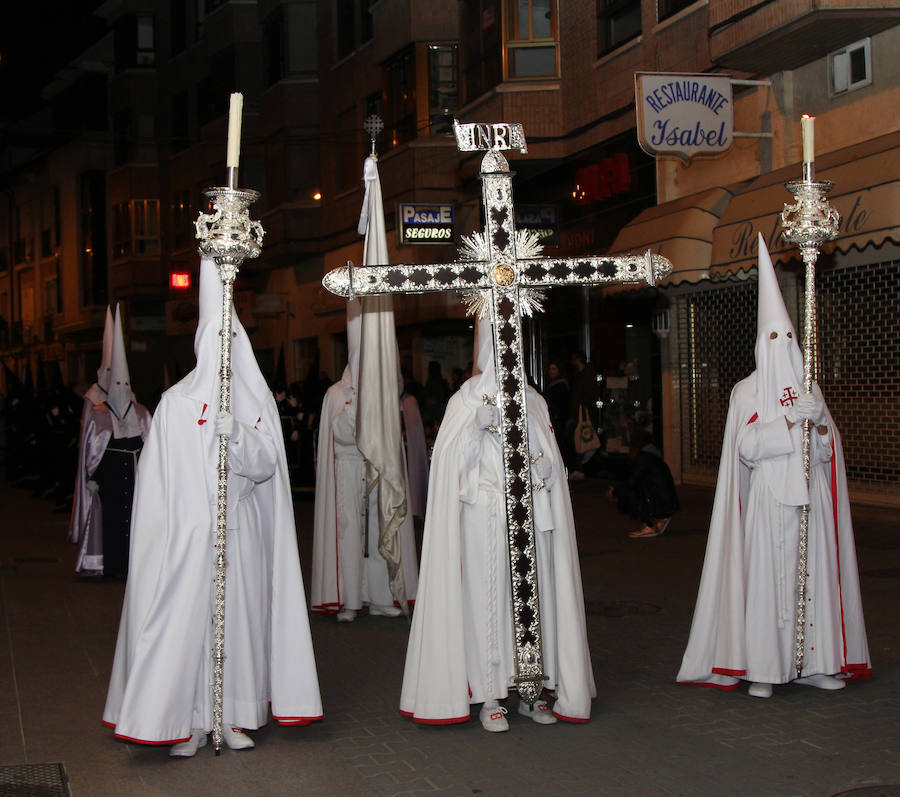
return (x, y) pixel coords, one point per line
(224, 424)
(542, 468)
(92, 486)
(807, 406)
(486, 416)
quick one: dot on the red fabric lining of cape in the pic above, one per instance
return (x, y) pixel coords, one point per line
(564, 718)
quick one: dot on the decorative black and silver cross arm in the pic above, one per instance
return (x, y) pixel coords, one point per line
(502, 270)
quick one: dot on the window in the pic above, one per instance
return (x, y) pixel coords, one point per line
(850, 68)
(124, 139)
(531, 39)
(23, 242)
(135, 228)
(618, 21)
(92, 217)
(178, 25)
(183, 216)
(50, 231)
(179, 120)
(290, 43)
(146, 46)
(443, 70)
(216, 86)
(345, 35)
(668, 8)
(134, 41)
(400, 79)
(366, 30)
(481, 47)
(349, 164)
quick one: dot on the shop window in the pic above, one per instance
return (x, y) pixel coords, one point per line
(618, 21)
(531, 39)
(443, 73)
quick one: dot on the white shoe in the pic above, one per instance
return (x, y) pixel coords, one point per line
(540, 712)
(189, 748)
(493, 718)
(384, 611)
(236, 739)
(346, 616)
(760, 689)
(822, 681)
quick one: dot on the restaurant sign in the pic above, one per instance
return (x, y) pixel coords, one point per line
(683, 114)
(425, 224)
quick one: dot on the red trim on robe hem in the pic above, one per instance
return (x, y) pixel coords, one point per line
(425, 721)
(710, 685)
(296, 720)
(723, 671)
(145, 741)
(564, 718)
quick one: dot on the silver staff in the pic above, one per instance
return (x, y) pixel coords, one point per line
(228, 236)
(809, 223)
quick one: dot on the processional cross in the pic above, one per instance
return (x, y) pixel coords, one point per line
(505, 279)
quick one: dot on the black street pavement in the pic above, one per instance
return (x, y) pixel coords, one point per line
(647, 735)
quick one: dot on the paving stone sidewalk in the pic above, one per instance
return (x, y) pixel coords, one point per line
(647, 736)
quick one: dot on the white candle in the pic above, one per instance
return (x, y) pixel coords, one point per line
(234, 130)
(806, 128)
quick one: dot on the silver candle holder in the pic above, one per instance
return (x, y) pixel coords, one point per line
(229, 237)
(809, 223)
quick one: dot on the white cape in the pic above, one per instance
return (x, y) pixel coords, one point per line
(719, 638)
(436, 681)
(341, 577)
(159, 687)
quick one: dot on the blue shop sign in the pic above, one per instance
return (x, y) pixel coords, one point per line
(426, 224)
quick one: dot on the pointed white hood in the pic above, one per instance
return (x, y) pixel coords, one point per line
(779, 378)
(248, 386)
(96, 393)
(120, 398)
(484, 374)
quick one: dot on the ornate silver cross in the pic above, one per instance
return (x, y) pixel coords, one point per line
(501, 269)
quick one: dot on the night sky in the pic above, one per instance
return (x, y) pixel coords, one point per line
(37, 37)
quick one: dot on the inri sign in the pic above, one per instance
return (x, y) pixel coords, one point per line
(683, 115)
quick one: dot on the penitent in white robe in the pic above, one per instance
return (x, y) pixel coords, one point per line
(161, 683)
(744, 621)
(344, 575)
(461, 643)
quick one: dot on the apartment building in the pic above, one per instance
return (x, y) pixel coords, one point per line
(127, 187)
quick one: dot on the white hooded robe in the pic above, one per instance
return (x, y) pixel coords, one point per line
(745, 616)
(461, 643)
(160, 687)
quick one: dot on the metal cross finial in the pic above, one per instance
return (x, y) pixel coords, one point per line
(373, 126)
(501, 265)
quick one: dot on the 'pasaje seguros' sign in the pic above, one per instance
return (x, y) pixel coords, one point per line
(425, 224)
(683, 114)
